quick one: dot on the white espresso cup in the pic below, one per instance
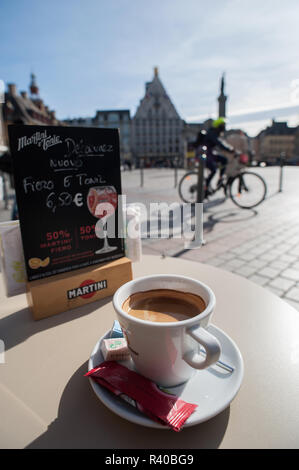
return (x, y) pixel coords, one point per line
(168, 352)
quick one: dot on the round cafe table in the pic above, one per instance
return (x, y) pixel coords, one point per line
(46, 402)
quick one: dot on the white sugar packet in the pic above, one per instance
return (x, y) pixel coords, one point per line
(12, 258)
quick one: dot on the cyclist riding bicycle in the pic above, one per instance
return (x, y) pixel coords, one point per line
(211, 141)
(245, 188)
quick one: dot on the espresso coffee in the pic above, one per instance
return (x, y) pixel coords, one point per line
(164, 305)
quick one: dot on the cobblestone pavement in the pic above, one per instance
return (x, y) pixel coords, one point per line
(261, 245)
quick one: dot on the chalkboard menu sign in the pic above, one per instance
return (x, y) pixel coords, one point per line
(67, 182)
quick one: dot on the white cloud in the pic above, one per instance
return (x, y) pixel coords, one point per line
(103, 54)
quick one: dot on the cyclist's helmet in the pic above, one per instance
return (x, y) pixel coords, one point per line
(219, 123)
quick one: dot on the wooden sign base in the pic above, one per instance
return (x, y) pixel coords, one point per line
(52, 295)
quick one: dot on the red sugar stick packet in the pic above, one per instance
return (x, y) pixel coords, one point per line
(162, 407)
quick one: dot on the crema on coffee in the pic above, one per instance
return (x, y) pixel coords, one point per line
(164, 305)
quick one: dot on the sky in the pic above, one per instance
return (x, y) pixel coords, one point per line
(89, 55)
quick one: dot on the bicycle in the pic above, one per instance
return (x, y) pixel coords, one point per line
(245, 188)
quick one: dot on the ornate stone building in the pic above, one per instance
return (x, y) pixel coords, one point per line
(26, 108)
(22, 108)
(274, 140)
(157, 131)
(239, 140)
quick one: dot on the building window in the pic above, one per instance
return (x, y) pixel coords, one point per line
(113, 117)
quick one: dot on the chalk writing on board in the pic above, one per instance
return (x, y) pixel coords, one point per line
(82, 149)
(64, 198)
(54, 170)
(76, 152)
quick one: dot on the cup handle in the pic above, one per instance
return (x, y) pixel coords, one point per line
(209, 342)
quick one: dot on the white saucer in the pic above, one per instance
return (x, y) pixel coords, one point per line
(211, 389)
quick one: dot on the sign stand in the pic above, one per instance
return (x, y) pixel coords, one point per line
(68, 183)
(56, 294)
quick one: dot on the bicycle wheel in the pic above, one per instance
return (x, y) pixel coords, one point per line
(188, 187)
(247, 190)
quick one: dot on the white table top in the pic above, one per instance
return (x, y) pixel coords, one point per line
(46, 402)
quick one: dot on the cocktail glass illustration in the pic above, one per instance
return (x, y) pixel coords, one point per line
(102, 202)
